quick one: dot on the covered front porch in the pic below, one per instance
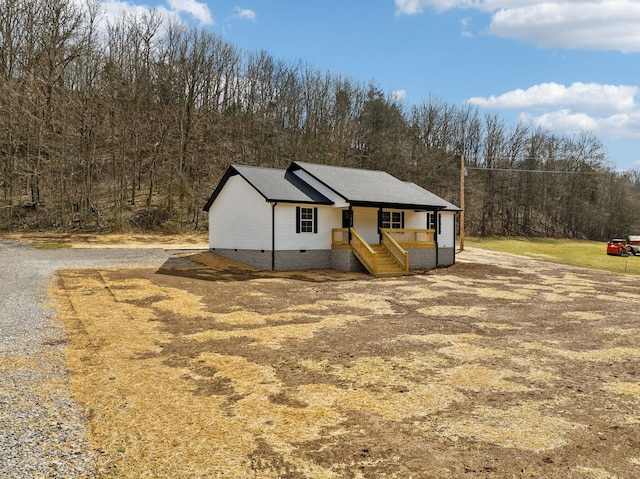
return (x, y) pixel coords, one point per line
(398, 249)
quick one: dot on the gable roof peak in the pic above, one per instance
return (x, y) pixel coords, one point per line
(273, 184)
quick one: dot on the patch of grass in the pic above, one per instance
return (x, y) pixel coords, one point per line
(588, 254)
(52, 245)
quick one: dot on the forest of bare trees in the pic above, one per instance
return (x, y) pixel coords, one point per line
(132, 124)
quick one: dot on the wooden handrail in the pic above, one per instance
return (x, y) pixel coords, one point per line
(364, 252)
(371, 258)
(339, 236)
(412, 236)
(397, 252)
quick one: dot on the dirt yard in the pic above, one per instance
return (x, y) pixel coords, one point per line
(498, 367)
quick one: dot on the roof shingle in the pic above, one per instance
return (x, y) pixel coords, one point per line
(359, 187)
(372, 187)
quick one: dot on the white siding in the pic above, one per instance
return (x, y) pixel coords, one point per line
(288, 239)
(365, 222)
(418, 220)
(447, 234)
(415, 219)
(240, 218)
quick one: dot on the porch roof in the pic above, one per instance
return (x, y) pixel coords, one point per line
(373, 188)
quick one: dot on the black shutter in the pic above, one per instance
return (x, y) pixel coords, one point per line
(315, 220)
(346, 219)
(297, 219)
(402, 225)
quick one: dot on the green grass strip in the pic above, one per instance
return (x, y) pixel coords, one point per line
(588, 254)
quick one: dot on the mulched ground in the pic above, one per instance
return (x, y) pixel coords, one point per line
(497, 367)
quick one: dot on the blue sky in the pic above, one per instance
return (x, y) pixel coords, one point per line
(569, 65)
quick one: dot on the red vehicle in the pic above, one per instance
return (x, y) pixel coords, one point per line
(618, 247)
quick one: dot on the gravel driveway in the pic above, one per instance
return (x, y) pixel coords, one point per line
(41, 427)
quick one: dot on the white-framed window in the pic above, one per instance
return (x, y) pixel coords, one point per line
(306, 219)
(391, 219)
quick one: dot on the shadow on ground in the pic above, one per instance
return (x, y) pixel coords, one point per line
(208, 266)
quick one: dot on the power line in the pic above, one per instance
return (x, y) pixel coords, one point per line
(543, 171)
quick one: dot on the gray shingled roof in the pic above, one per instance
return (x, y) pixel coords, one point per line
(273, 184)
(372, 187)
(446, 205)
(358, 187)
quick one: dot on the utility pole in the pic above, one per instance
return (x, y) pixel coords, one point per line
(462, 202)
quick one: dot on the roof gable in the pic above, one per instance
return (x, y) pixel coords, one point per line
(272, 184)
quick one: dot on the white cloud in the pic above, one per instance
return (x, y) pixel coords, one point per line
(114, 9)
(465, 24)
(409, 7)
(574, 24)
(609, 111)
(589, 97)
(599, 25)
(413, 7)
(619, 126)
(563, 120)
(398, 95)
(199, 11)
(244, 14)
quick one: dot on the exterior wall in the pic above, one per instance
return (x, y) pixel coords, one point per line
(345, 260)
(447, 239)
(288, 240)
(259, 258)
(422, 258)
(365, 222)
(240, 218)
(296, 259)
(284, 260)
(414, 219)
(240, 229)
(340, 259)
(446, 256)
(447, 233)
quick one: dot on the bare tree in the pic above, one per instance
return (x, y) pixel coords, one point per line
(135, 126)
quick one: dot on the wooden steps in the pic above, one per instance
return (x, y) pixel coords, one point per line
(387, 265)
(377, 258)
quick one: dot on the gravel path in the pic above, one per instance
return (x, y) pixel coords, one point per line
(42, 430)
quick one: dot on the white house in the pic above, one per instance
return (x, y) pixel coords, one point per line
(319, 216)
